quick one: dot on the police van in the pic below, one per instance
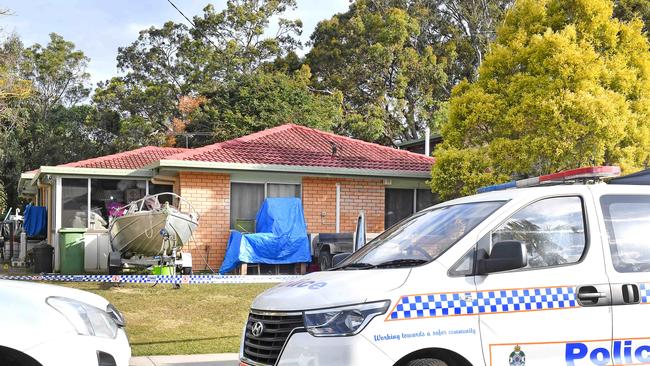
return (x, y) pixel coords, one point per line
(553, 274)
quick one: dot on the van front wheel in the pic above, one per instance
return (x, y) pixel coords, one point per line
(427, 362)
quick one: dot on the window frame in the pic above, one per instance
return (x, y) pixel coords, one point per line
(266, 190)
(487, 238)
(414, 192)
(59, 195)
(603, 211)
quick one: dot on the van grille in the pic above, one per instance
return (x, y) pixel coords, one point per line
(265, 348)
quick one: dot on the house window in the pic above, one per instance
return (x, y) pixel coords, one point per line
(402, 203)
(106, 195)
(282, 190)
(162, 188)
(246, 200)
(74, 200)
(425, 198)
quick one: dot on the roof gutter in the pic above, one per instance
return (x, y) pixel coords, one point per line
(25, 188)
(204, 165)
(66, 170)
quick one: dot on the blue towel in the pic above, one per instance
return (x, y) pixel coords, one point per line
(35, 220)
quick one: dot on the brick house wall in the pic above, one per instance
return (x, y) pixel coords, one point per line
(319, 202)
(362, 194)
(209, 193)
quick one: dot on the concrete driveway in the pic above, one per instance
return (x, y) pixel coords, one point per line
(223, 359)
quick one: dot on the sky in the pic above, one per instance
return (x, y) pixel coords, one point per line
(99, 27)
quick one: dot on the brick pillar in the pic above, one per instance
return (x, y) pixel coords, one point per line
(209, 193)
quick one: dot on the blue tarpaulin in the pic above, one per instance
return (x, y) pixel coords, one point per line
(35, 220)
(280, 238)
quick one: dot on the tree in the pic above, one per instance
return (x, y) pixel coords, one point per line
(395, 61)
(165, 65)
(54, 128)
(565, 85)
(57, 73)
(13, 91)
(262, 100)
(627, 10)
(388, 80)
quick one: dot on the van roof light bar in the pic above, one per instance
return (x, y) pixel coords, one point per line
(586, 173)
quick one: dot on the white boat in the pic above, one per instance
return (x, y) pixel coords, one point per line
(148, 228)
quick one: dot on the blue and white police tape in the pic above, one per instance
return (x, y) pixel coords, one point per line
(181, 280)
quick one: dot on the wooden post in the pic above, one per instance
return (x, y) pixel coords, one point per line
(243, 269)
(303, 268)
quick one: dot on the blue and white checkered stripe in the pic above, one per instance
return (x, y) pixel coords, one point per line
(644, 292)
(483, 302)
(187, 279)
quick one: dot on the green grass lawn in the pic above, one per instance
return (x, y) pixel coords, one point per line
(194, 319)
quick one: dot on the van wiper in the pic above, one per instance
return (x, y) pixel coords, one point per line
(359, 265)
(402, 263)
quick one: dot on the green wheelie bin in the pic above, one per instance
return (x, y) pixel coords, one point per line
(71, 244)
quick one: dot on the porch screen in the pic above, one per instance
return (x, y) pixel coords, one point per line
(245, 201)
(74, 199)
(425, 199)
(399, 205)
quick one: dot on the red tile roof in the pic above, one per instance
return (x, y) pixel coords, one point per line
(133, 159)
(302, 146)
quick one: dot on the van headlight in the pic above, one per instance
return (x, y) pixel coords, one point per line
(86, 319)
(344, 320)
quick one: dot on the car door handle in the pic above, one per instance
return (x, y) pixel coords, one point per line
(631, 294)
(592, 296)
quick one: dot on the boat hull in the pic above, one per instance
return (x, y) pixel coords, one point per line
(140, 232)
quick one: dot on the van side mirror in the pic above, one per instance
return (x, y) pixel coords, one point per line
(338, 258)
(505, 256)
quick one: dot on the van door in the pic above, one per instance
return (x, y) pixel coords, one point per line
(627, 232)
(555, 311)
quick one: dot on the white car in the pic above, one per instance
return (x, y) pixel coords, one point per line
(46, 325)
(542, 276)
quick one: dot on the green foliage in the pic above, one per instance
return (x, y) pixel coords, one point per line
(627, 10)
(227, 50)
(396, 60)
(262, 100)
(49, 125)
(564, 86)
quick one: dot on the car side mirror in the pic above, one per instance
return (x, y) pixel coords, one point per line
(338, 258)
(505, 256)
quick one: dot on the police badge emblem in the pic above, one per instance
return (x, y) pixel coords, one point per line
(517, 357)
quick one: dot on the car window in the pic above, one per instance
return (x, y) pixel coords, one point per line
(552, 229)
(627, 220)
(425, 235)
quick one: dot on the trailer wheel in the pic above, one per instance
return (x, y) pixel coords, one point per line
(113, 270)
(186, 270)
(325, 260)
(427, 362)
(114, 263)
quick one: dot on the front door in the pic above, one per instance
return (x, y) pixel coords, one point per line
(556, 310)
(627, 255)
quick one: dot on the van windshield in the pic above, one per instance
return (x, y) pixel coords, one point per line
(422, 237)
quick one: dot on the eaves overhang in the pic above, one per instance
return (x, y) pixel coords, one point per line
(296, 169)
